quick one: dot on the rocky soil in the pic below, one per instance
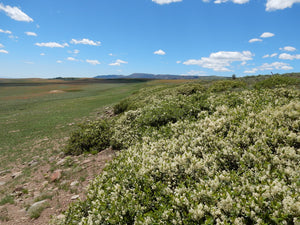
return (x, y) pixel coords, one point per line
(42, 196)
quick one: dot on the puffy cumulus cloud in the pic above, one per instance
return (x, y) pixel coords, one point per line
(3, 51)
(15, 13)
(118, 62)
(5, 31)
(85, 41)
(219, 61)
(267, 35)
(52, 45)
(270, 66)
(288, 56)
(273, 5)
(254, 40)
(288, 49)
(30, 33)
(271, 56)
(159, 52)
(162, 2)
(234, 1)
(92, 61)
(275, 65)
(71, 59)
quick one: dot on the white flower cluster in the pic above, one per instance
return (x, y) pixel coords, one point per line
(233, 160)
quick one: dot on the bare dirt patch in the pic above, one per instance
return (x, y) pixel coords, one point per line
(56, 91)
(70, 186)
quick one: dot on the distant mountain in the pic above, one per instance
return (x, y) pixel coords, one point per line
(157, 76)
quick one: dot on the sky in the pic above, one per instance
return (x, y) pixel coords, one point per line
(76, 38)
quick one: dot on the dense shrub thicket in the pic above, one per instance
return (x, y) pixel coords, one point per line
(201, 155)
(91, 137)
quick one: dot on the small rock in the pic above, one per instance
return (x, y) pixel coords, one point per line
(33, 163)
(74, 197)
(45, 183)
(3, 172)
(74, 183)
(61, 217)
(86, 161)
(56, 175)
(2, 183)
(17, 174)
(61, 162)
(36, 206)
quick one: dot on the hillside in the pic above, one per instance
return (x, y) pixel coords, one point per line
(158, 77)
(224, 152)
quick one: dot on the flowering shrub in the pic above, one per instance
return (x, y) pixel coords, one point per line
(202, 158)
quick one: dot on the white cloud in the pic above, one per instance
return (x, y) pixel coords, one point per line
(52, 45)
(1, 45)
(178, 61)
(159, 52)
(288, 56)
(42, 54)
(273, 5)
(5, 31)
(118, 62)
(110, 54)
(71, 59)
(267, 35)
(271, 56)
(254, 70)
(59, 61)
(195, 73)
(92, 61)
(31, 33)
(3, 51)
(219, 61)
(15, 13)
(288, 48)
(275, 65)
(270, 66)
(85, 41)
(254, 40)
(161, 2)
(234, 1)
(76, 51)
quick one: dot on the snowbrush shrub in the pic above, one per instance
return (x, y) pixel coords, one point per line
(91, 137)
(276, 81)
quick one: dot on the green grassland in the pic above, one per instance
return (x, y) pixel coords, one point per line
(32, 110)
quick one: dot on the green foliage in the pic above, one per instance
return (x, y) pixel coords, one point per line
(226, 85)
(121, 107)
(276, 81)
(93, 136)
(221, 155)
(7, 199)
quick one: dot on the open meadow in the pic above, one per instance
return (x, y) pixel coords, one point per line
(178, 152)
(36, 118)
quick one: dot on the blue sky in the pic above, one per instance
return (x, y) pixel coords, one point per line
(191, 37)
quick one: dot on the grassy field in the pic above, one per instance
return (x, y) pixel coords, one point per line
(35, 111)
